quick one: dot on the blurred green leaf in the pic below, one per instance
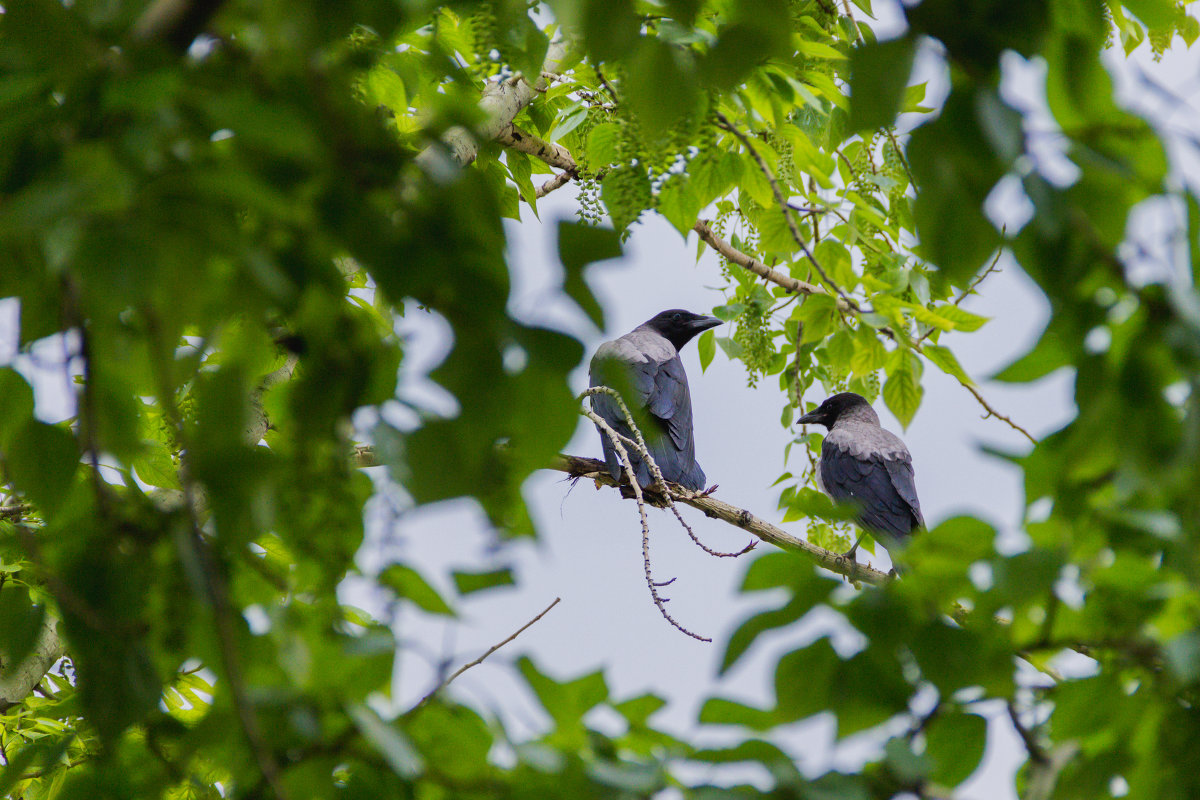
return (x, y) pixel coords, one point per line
(470, 582)
(954, 743)
(878, 74)
(578, 246)
(406, 582)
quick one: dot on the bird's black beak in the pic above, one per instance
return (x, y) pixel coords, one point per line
(701, 324)
(811, 418)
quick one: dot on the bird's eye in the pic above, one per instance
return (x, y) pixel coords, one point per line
(677, 317)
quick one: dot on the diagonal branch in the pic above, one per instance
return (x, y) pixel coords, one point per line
(596, 470)
(501, 102)
(553, 154)
(704, 228)
(735, 256)
(784, 207)
(479, 660)
(578, 467)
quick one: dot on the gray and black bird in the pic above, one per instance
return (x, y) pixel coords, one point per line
(868, 467)
(644, 367)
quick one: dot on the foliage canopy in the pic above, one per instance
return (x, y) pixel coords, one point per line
(218, 210)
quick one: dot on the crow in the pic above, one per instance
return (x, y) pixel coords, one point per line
(644, 367)
(866, 466)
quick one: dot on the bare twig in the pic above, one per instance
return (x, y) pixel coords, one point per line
(659, 481)
(615, 438)
(480, 660)
(557, 182)
(1036, 753)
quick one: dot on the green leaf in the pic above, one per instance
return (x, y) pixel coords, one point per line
(637, 710)
(707, 347)
(954, 742)
(963, 320)
(946, 362)
(602, 144)
(660, 87)
(819, 317)
(42, 460)
(578, 246)
(567, 701)
(1049, 354)
(816, 590)
(806, 680)
(406, 582)
(721, 711)
(878, 75)
(20, 624)
(903, 390)
(16, 403)
(389, 740)
(469, 582)
(679, 203)
(1152, 13)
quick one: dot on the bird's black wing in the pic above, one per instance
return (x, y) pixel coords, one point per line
(879, 483)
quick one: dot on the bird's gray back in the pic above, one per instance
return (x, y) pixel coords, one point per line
(863, 463)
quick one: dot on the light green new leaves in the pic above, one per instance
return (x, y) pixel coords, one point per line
(903, 391)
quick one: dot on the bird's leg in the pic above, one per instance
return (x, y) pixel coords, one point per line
(850, 553)
(708, 491)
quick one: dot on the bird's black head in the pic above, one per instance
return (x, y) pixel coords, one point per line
(679, 326)
(828, 412)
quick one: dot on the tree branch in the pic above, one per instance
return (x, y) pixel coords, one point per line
(17, 681)
(553, 154)
(704, 228)
(501, 102)
(735, 256)
(177, 22)
(660, 483)
(579, 467)
(786, 209)
(479, 660)
(557, 182)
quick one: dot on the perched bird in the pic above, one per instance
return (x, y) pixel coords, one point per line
(866, 466)
(644, 367)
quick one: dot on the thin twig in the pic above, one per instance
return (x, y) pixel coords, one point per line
(991, 412)
(735, 256)
(1036, 753)
(623, 454)
(659, 481)
(480, 660)
(557, 182)
(724, 122)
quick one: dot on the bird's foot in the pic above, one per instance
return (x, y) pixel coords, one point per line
(708, 491)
